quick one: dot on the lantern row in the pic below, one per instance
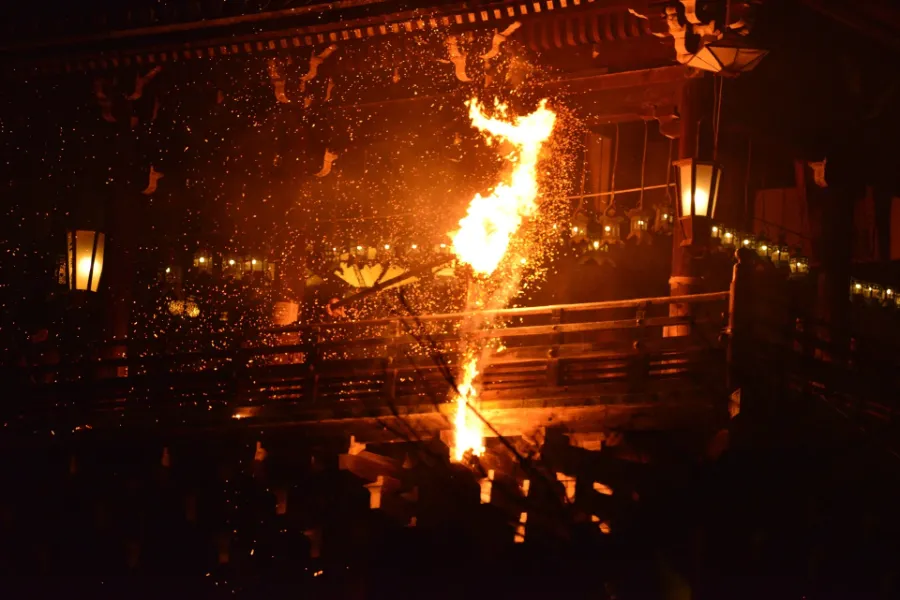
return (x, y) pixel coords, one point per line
(721, 237)
(874, 293)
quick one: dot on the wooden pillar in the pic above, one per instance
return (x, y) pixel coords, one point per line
(685, 277)
(119, 269)
(834, 278)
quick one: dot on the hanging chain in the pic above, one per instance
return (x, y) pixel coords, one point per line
(612, 184)
(584, 165)
(643, 168)
(669, 168)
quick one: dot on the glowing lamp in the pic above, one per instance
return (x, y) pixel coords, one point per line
(84, 264)
(716, 231)
(610, 229)
(765, 248)
(876, 293)
(728, 237)
(697, 190)
(729, 56)
(798, 264)
(203, 261)
(664, 219)
(640, 224)
(748, 241)
(781, 255)
(857, 288)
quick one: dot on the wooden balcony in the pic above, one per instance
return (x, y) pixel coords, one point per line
(578, 363)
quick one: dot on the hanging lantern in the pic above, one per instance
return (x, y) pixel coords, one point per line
(857, 288)
(232, 266)
(748, 241)
(640, 224)
(664, 219)
(781, 255)
(697, 190)
(85, 259)
(876, 293)
(729, 56)
(170, 275)
(716, 232)
(798, 264)
(728, 237)
(203, 261)
(611, 228)
(764, 248)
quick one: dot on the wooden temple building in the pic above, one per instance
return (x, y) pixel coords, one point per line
(660, 421)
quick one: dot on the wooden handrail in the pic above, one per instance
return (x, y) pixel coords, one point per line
(514, 312)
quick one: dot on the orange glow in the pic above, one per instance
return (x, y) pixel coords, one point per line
(468, 430)
(491, 221)
(484, 236)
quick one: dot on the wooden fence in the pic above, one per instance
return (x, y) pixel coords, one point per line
(604, 352)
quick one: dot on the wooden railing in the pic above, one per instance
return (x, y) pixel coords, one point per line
(583, 353)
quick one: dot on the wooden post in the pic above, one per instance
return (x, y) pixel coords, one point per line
(554, 374)
(685, 278)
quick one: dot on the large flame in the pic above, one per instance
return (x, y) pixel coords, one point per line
(491, 221)
(468, 432)
(485, 233)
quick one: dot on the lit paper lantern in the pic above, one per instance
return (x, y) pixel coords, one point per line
(84, 264)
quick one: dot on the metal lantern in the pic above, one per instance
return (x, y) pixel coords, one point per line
(748, 241)
(84, 264)
(611, 229)
(765, 248)
(729, 56)
(253, 265)
(799, 264)
(697, 190)
(728, 237)
(876, 293)
(781, 255)
(203, 261)
(664, 219)
(640, 224)
(233, 265)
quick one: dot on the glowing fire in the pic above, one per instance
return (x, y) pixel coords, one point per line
(485, 233)
(467, 426)
(491, 221)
